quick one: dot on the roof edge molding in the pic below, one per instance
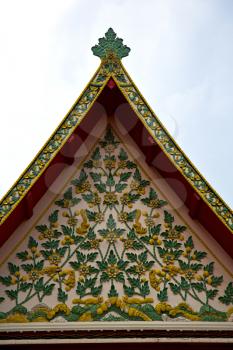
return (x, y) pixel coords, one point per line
(111, 49)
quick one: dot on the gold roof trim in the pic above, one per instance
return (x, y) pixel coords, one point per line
(111, 66)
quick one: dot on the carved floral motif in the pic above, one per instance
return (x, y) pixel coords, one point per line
(113, 243)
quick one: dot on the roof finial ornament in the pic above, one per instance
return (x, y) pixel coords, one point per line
(110, 46)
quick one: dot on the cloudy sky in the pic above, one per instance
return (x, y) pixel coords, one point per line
(181, 60)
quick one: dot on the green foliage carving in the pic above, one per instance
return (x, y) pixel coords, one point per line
(110, 44)
(113, 242)
(227, 298)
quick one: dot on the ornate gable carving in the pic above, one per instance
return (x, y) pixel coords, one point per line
(111, 248)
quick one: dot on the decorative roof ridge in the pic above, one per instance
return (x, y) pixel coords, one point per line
(162, 137)
(111, 66)
(52, 146)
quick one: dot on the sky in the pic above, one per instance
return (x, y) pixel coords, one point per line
(181, 61)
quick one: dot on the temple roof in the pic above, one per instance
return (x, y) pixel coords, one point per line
(111, 73)
(110, 233)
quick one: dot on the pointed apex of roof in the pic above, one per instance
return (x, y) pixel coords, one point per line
(110, 45)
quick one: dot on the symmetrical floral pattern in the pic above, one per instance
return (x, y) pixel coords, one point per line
(112, 250)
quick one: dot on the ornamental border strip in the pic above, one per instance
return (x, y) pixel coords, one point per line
(112, 67)
(172, 150)
(52, 146)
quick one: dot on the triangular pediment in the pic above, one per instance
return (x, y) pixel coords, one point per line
(112, 73)
(111, 246)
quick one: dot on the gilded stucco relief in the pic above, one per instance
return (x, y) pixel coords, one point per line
(110, 248)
